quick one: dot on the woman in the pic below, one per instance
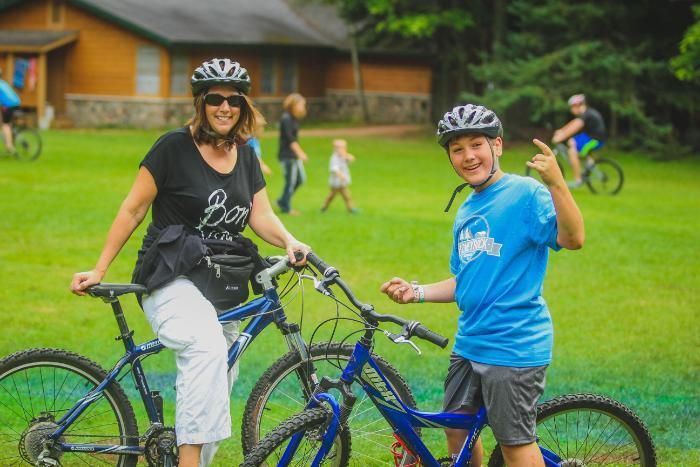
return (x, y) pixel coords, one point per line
(291, 154)
(202, 177)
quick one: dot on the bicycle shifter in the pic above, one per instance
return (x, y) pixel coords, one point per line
(397, 339)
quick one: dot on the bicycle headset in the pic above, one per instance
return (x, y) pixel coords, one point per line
(464, 120)
(220, 71)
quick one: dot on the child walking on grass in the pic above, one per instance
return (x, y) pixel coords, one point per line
(339, 178)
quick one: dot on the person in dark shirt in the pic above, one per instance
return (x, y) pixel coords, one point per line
(291, 155)
(205, 178)
(585, 133)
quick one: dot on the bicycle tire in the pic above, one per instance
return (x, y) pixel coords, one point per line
(38, 386)
(605, 177)
(27, 142)
(366, 424)
(577, 427)
(313, 421)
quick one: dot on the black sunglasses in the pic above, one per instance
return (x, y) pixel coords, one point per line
(216, 100)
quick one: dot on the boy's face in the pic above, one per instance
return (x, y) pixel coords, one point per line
(471, 156)
(340, 147)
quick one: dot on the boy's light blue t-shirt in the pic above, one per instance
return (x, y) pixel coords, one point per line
(499, 259)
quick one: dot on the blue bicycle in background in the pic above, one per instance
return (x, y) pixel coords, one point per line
(574, 430)
(60, 408)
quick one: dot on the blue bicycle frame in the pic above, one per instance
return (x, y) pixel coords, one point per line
(403, 419)
(261, 312)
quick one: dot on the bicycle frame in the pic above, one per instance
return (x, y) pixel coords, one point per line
(261, 311)
(403, 419)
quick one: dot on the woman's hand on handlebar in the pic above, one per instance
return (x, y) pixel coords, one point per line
(83, 280)
(296, 252)
(399, 290)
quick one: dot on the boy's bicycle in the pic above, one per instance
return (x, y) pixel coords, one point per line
(60, 408)
(573, 430)
(27, 140)
(601, 175)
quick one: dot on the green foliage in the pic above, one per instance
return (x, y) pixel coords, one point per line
(686, 65)
(625, 307)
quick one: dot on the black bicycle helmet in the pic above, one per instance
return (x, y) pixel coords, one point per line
(220, 71)
(468, 119)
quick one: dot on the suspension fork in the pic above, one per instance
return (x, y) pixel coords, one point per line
(306, 372)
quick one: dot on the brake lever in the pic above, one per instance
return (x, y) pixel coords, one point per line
(400, 339)
(319, 285)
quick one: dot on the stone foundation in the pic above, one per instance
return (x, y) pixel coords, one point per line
(88, 111)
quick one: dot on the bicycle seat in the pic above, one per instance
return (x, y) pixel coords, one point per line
(114, 290)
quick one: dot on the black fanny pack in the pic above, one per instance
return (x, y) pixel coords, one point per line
(223, 279)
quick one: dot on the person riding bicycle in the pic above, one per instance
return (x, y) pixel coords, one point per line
(501, 237)
(202, 180)
(9, 103)
(585, 133)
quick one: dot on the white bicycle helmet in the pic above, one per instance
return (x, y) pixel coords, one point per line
(468, 119)
(220, 71)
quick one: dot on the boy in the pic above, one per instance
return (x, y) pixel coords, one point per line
(339, 178)
(502, 233)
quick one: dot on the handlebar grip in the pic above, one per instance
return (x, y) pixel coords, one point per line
(430, 336)
(298, 255)
(323, 267)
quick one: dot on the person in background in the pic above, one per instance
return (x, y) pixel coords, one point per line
(502, 235)
(254, 142)
(585, 133)
(202, 182)
(291, 155)
(339, 178)
(9, 103)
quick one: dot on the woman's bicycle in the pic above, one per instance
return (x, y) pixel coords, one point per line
(60, 408)
(573, 430)
(27, 140)
(601, 175)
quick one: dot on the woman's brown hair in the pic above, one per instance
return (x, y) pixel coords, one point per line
(202, 133)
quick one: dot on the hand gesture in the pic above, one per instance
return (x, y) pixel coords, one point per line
(398, 290)
(83, 280)
(545, 164)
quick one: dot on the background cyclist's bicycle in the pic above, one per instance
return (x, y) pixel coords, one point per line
(601, 175)
(27, 140)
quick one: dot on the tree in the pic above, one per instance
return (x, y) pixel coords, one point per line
(687, 64)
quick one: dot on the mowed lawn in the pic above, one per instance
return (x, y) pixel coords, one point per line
(625, 308)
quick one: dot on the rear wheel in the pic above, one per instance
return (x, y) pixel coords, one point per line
(590, 430)
(27, 144)
(38, 387)
(605, 177)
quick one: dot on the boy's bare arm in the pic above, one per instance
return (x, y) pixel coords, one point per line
(571, 233)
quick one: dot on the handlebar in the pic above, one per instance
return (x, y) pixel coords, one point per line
(412, 328)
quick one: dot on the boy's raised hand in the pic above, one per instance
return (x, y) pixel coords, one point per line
(545, 163)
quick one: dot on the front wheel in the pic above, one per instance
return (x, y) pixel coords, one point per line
(590, 430)
(27, 144)
(604, 177)
(311, 424)
(284, 388)
(38, 387)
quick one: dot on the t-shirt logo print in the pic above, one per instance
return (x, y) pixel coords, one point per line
(474, 240)
(216, 213)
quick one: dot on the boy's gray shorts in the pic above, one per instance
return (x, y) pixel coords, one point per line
(510, 395)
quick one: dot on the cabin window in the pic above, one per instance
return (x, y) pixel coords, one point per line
(268, 77)
(56, 11)
(148, 70)
(179, 75)
(289, 75)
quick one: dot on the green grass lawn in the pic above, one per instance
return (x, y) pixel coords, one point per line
(625, 308)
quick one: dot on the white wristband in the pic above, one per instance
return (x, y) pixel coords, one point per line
(418, 292)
